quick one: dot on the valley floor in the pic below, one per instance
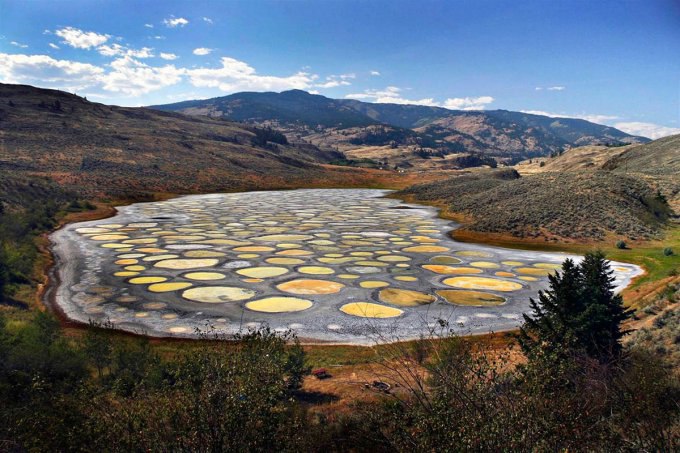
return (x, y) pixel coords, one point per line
(352, 367)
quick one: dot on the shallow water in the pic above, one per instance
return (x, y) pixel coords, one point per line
(338, 265)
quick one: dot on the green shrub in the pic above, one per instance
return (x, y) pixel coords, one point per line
(668, 251)
(621, 245)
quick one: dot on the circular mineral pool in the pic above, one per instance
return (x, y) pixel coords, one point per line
(470, 298)
(305, 286)
(405, 297)
(279, 304)
(217, 294)
(482, 283)
(370, 310)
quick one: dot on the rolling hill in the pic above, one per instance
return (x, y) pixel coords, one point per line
(657, 163)
(588, 193)
(99, 149)
(660, 157)
(95, 149)
(581, 158)
(552, 206)
(419, 132)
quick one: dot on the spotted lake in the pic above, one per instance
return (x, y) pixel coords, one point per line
(343, 266)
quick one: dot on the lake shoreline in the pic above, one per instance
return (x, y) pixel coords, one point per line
(53, 296)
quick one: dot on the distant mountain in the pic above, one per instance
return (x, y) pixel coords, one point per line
(294, 106)
(422, 131)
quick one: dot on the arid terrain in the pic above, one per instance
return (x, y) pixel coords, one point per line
(98, 150)
(66, 159)
(406, 136)
(386, 226)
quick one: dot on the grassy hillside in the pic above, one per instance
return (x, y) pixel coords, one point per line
(29, 206)
(657, 163)
(106, 149)
(573, 206)
(660, 157)
(575, 159)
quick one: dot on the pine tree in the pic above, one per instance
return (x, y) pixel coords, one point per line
(599, 326)
(578, 314)
(547, 330)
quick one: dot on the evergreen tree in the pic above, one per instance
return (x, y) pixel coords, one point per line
(579, 313)
(548, 331)
(598, 327)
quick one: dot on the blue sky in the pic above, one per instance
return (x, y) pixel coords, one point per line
(612, 62)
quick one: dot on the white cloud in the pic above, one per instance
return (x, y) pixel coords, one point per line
(375, 73)
(544, 113)
(593, 118)
(116, 50)
(81, 39)
(648, 130)
(333, 81)
(235, 75)
(52, 45)
(175, 22)
(132, 77)
(44, 70)
(126, 74)
(168, 56)
(159, 37)
(202, 51)
(144, 52)
(207, 20)
(600, 119)
(148, 25)
(553, 88)
(392, 95)
(18, 44)
(332, 84)
(468, 103)
(112, 50)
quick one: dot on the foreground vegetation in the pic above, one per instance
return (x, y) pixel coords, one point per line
(28, 208)
(576, 387)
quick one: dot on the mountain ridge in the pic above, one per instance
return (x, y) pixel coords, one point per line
(504, 134)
